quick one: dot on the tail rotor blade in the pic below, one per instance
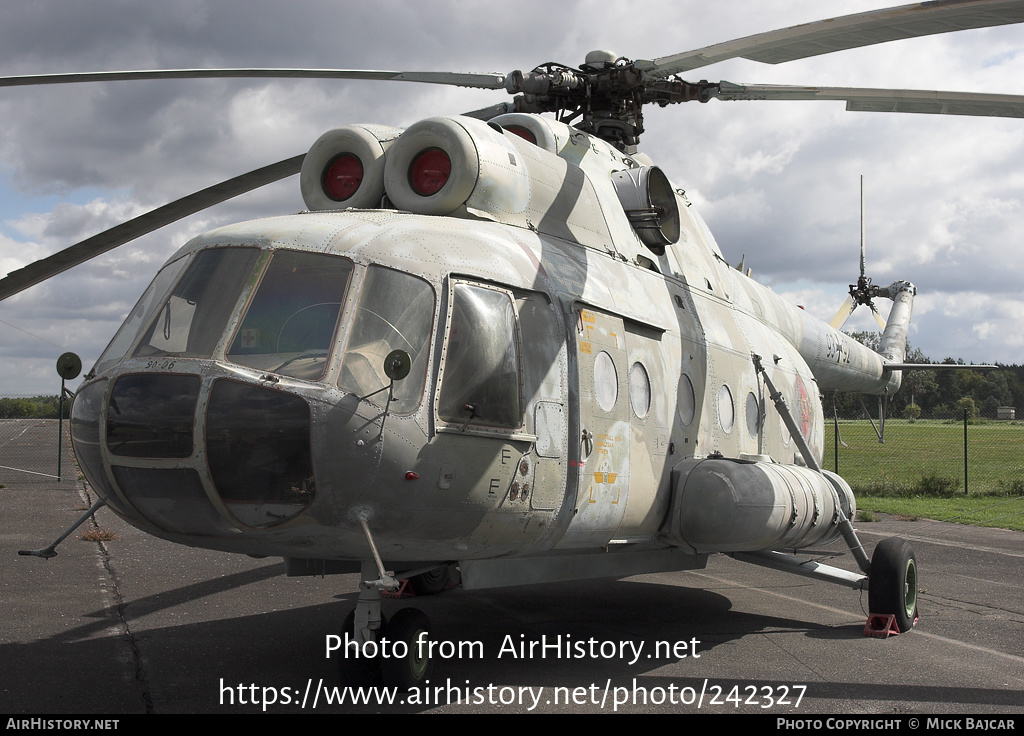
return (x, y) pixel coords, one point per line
(844, 313)
(877, 316)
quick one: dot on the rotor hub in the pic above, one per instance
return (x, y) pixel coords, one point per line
(604, 97)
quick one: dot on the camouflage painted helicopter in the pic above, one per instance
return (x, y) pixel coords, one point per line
(500, 343)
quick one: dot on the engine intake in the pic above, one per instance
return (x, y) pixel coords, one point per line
(345, 167)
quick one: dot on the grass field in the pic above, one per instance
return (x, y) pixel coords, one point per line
(919, 471)
(1006, 512)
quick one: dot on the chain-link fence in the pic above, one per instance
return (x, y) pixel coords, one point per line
(934, 455)
(35, 444)
(940, 454)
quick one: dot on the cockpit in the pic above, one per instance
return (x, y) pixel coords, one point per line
(178, 412)
(241, 363)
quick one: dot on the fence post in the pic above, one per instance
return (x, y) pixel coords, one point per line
(965, 452)
(835, 438)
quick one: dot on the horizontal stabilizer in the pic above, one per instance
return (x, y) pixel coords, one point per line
(934, 366)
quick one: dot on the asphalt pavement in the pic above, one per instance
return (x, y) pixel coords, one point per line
(138, 625)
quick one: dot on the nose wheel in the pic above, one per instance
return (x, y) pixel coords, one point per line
(396, 652)
(410, 664)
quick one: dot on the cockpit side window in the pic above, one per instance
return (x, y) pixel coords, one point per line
(290, 323)
(395, 312)
(140, 316)
(192, 320)
(480, 382)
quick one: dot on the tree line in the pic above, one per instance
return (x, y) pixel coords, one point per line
(924, 393)
(33, 407)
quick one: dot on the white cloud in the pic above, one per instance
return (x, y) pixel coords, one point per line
(778, 182)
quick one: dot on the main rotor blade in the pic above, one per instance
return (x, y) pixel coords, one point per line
(89, 248)
(846, 32)
(493, 111)
(863, 99)
(481, 81)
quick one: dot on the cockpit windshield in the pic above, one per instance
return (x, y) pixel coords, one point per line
(395, 312)
(284, 312)
(289, 326)
(192, 320)
(139, 317)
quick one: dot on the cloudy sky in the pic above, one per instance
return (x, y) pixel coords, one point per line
(778, 181)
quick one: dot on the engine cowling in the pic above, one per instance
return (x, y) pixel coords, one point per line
(345, 167)
(740, 505)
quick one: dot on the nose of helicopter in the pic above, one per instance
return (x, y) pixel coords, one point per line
(196, 455)
(211, 402)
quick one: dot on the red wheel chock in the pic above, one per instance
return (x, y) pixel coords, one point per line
(881, 625)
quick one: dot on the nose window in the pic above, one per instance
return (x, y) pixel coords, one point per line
(258, 447)
(150, 415)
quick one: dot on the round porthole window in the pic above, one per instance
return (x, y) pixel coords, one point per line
(606, 381)
(753, 415)
(786, 436)
(639, 390)
(726, 413)
(686, 405)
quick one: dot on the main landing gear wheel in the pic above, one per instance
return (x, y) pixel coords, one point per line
(433, 582)
(892, 582)
(411, 628)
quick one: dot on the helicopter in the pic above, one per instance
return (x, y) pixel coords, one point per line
(501, 344)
